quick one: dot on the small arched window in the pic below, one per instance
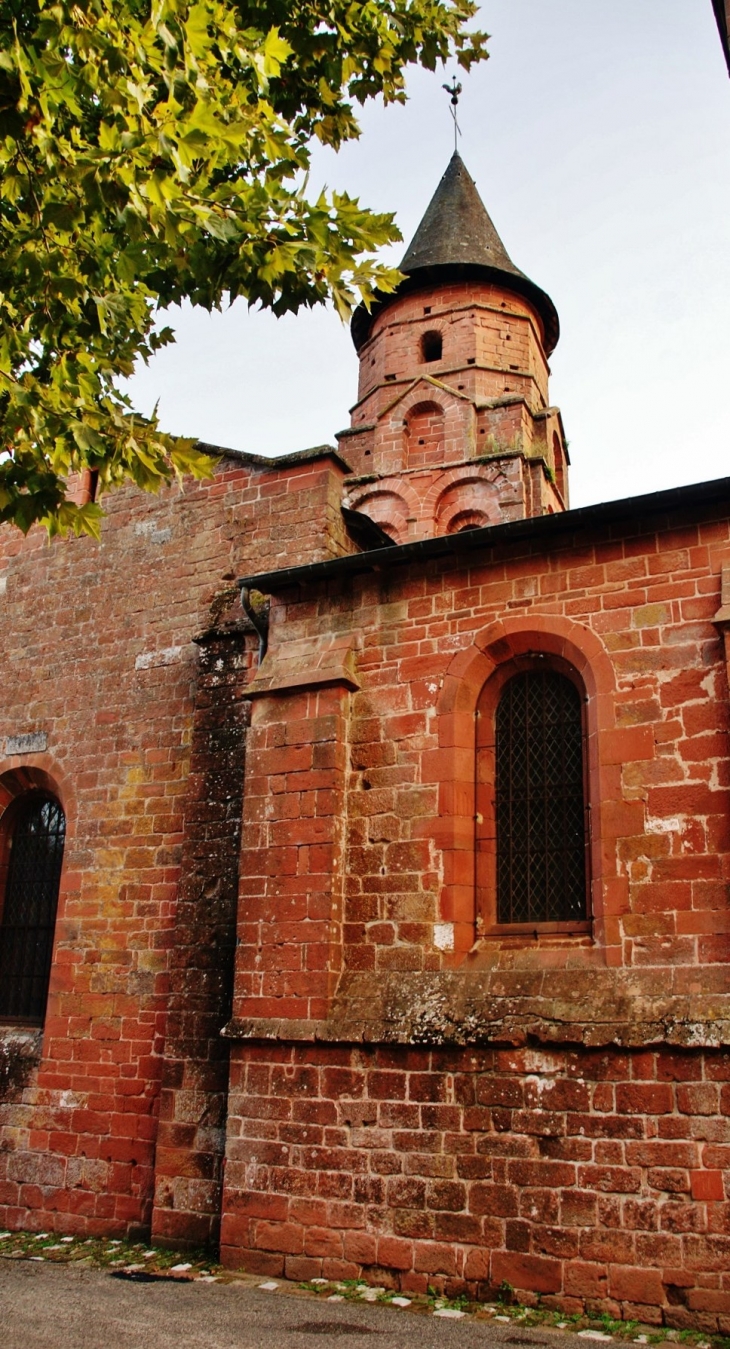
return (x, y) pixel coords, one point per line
(33, 847)
(540, 800)
(431, 346)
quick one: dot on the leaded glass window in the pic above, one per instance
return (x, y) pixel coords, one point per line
(540, 800)
(29, 908)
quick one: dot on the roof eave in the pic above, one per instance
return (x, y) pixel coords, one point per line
(426, 278)
(545, 528)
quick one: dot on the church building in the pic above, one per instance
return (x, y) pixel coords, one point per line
(365, 843)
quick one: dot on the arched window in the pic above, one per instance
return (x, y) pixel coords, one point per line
(33, 848)
(431, 347)
(539, 798)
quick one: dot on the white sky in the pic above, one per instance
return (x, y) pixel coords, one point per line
(599, 138)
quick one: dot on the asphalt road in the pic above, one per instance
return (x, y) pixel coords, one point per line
(64, 1307)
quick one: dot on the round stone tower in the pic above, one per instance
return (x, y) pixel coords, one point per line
(453, 428)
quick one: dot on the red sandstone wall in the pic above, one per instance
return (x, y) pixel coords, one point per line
(98, 657)
(578, 1173)
(492, 339)
(590, 1179)
(635, 618)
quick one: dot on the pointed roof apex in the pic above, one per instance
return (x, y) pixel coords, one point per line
(456, 228)
(456, 240)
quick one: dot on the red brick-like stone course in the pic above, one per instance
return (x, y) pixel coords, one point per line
(579, 1176)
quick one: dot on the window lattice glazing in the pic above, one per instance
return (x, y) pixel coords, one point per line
(29, 910)
(540, 806)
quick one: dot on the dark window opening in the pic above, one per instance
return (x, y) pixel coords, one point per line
(431, 346)
(540, 800)
(29, 908)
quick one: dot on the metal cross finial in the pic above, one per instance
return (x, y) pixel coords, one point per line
(454, 90)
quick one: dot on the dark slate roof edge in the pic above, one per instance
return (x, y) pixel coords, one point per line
(545, 528)
(457, 240)
(426, 278)
(721, 14)
(274, 461)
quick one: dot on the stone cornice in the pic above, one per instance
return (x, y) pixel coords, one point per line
(593, 1008)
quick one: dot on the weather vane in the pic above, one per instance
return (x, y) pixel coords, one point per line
(454, 90)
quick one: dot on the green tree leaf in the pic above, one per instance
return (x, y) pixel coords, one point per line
(157, 150)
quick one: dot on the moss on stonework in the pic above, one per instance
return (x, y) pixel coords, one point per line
(18, 1058)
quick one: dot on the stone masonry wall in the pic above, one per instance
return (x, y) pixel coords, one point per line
(468, 1106)
(100, 670)
(634, 616)
(589, 1179)
(493, 340)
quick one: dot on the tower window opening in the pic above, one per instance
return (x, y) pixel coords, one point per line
(471, 360)
(427, 310)
(431, 346)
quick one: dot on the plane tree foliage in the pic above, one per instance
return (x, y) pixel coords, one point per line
(155, 151)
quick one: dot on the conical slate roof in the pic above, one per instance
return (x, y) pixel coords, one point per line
(456, 240)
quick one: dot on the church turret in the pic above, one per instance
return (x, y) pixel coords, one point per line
(453, 427)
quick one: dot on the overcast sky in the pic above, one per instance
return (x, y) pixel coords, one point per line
(599, 138)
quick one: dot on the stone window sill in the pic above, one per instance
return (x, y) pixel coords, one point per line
(534, 930)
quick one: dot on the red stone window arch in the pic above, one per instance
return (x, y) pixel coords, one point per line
(467, 519)
(32, 838)
(532, 809)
